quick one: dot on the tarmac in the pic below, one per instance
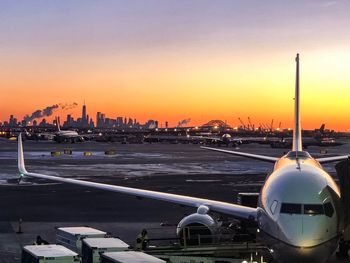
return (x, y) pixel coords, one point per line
(174, 168)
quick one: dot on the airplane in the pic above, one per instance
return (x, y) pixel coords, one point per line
(321, 139)
(307, 142)
(225, 139)
(66, 135)
(60, 135)
(299, 213)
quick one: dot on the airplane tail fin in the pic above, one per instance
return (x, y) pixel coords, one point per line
(297, 141)
(21, 166)
(58, 124)
(322, 127)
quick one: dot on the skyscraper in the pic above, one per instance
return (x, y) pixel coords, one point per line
(98, 119)
(83, 116)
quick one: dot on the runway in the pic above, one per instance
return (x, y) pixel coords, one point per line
(173, 168)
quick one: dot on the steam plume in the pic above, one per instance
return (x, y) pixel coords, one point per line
(183, 122)
(49, 110)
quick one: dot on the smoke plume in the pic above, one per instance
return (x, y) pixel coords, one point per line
(49, 110)
(183, 122)
(67, 106)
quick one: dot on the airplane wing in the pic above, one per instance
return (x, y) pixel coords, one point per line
(207, 138)
(332, 159)
(248, 155)
(215, 206)
(216, 139)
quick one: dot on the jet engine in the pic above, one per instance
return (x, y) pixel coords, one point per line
(197, 228)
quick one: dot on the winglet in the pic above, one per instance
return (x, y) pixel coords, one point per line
(21, 166)
(297, 141)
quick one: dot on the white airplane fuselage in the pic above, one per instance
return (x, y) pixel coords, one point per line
(67, 133)
(299, 212)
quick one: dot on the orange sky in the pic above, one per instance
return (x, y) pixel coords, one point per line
(223, 72)
(168, 89)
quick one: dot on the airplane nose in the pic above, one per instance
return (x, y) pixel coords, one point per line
(307, 239)
(320, 253)
(305, 230)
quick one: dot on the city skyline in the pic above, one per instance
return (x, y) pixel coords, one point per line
(85, 121)
(48, 117)
(172, 60)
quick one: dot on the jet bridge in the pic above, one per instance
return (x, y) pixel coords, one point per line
(343, 172)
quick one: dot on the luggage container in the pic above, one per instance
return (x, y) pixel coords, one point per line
(71, 237)
(92, 248)
(129, 256)
(48, 254)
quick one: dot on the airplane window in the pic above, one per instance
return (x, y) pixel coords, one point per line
(313, 210)
(328, 209)
(273, 206)
(288, 208)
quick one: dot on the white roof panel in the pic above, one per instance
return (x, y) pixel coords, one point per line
(82, 230)
(49, 251)
(105, 242)
(132, 256)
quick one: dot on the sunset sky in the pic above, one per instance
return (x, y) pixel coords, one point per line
(171, 59)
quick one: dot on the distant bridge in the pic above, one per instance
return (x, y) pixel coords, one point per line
(216, 123)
